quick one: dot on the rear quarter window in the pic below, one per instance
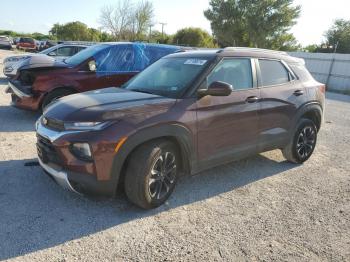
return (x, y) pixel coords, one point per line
(273, 72)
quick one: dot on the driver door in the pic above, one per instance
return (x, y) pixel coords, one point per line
(228, 126)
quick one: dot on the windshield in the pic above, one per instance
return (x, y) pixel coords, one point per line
(27, 40)
(168, 76)
(85, 54)
(49, 50)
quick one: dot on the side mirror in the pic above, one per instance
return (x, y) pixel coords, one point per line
(52, 54)
(217, 88)
(92, 66)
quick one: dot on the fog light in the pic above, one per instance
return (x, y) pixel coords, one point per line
(82, 151)
(8, 69)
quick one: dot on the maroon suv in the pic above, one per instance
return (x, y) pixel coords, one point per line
(42, 79)
(185, 113)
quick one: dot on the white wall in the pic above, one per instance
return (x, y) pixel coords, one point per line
(330, 69)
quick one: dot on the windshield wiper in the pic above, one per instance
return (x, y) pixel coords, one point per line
(142, 91)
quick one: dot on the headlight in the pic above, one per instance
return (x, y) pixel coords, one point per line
(15, 59)
(93, 126)
(82, 151)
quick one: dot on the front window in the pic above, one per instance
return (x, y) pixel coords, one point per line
(236, 72)
(65, 51)
(168, 76)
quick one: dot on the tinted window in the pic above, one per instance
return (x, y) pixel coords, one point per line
(236, 72)
(27, 40)
(273, 73)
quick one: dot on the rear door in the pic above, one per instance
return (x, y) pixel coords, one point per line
(227, 126)
(281, 95)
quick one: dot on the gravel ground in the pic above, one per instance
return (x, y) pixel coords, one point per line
(262, 208)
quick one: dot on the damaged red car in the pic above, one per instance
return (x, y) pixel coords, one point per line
(41, 79)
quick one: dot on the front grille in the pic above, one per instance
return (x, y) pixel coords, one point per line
(46, 151)
(54, 124)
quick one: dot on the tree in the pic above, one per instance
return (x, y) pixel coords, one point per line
(195, 37)
(127, 21)
(158, 37)
(143, 17)
(338, 37)
(251, 23)
(75, 31)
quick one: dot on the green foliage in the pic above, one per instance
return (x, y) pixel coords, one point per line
(195, 37)
(37, 36)
(252, 23)
(158, 37)
(75, 31)
(338, 36)
(310, 48)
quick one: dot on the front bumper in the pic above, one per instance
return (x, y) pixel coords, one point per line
(22, 96)
(71, 174)
(60, 176)
(20, 91)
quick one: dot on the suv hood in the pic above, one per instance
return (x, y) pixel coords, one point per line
(41, 60)
(108, 104)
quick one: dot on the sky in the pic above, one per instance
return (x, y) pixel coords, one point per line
(39, 15)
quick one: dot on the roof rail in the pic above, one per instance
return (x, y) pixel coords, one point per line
(249, 49)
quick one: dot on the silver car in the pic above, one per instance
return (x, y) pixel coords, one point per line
(59, 52)
(5, 42)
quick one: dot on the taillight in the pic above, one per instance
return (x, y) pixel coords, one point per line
(323, 89)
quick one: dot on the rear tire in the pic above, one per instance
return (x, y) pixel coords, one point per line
(54, 95)
(152, 173)
(303, 143)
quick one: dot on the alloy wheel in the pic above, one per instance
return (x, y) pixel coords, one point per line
(163, 176)
(306, 142)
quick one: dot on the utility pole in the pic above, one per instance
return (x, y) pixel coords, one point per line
(332, 64)
(150, 33)
(163, 24)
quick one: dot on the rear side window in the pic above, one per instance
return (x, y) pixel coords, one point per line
(236, 72)
(273, 73)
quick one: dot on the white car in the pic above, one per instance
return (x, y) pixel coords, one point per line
(5, 42)
(59, 52)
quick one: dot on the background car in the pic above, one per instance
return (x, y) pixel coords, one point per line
(26, 43)
(5, 42)
(41, 79)
(59, 52)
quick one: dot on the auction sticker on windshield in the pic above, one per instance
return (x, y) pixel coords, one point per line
(198, 62)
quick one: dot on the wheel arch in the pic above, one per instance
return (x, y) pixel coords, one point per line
(69, 88)
(312, 111)
(176, 133)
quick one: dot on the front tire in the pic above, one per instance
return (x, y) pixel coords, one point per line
(303, 143)
(152, 173)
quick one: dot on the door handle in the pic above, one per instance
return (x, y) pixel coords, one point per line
(299, 93)
(252, 99)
